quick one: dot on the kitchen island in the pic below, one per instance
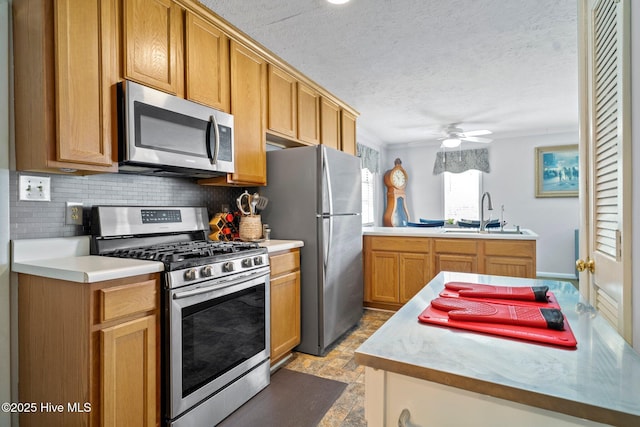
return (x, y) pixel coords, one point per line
(440, 376)
(398, 261)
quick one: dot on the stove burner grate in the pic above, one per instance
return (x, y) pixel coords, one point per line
(176, 252)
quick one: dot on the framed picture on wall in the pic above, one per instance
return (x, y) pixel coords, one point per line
(557, 169)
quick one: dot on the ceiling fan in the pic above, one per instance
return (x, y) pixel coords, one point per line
(453, 136)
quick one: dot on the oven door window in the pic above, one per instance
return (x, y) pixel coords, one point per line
(219, 334)
(165, 130)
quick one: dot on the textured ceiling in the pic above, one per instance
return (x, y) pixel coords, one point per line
(410, 67)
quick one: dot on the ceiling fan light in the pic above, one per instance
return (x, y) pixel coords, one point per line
(451, 142)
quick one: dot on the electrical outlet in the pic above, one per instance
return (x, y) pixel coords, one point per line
(73, 213)
(35, 188)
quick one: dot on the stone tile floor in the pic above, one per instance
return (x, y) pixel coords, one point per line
(339, 364)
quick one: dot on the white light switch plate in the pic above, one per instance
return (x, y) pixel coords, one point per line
(35, 188)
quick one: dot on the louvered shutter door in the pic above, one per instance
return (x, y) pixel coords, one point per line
(610, 168)
(606, 126)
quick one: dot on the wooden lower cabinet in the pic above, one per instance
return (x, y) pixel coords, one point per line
(510, 258)
(128, 379)
(459, 255)
(415, 272)
(396, 268)
(285, 303)
(92, 348)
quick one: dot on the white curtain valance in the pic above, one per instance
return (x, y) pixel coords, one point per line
(462, 160)
(369, 158)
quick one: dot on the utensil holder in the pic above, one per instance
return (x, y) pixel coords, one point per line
(250, 227)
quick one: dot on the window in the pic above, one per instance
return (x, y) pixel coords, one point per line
(367, 196)
(462, 195)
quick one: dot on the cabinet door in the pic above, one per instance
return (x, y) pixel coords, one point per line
(153, 44)
(509, 266)
(308, 114)
(207, 63)
(248, 105)
(510, 258)
(348, 135)
(384, 278)
(285, 314)
(64, 74)
(85, 71)
(282, 103)
(128, 375)
(455, 262)
(330, 124)
(414, 274)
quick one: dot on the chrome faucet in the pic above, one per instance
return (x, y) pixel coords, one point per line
(483, 223)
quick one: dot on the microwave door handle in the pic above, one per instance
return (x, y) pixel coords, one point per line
(212, 152)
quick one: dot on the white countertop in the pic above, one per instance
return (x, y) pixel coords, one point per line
(598, 380)
(281, 245)
(68, 258)
(453, 233)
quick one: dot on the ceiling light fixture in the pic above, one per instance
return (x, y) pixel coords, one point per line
(451, 142)
(337, 1)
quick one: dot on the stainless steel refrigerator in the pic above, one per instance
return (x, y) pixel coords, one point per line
(315, 196)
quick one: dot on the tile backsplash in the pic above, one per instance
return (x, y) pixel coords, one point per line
(31, 219)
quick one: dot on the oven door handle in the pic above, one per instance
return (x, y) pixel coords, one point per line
(219, 286)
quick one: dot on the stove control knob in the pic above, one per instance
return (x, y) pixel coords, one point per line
(257, 261)
(227, 267)
(207, 271)
(247, 262)
(190, 274)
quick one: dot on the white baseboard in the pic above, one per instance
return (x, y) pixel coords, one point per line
(546, 274)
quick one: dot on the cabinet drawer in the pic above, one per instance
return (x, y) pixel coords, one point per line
(399, 244)
(510, 248)
(284, 262)
(456, 246)
(119, 301)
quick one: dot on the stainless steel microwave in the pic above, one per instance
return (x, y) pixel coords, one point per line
(161, 134)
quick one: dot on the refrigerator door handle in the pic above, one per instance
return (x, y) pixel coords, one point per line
(327, 178)
(327, 246)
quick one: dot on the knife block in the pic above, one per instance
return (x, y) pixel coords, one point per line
(250, 228)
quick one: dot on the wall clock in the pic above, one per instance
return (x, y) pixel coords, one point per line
(396, 214)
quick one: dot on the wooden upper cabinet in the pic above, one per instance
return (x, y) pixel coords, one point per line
(248, 106)
(153, 46)
(65, 68)
(308, 114)
(283, 95)
(330, 123)
(348, 134)
(206, 63)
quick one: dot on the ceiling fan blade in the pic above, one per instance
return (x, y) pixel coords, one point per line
(477, 133)
(476, 139)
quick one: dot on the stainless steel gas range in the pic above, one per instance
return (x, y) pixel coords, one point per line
(215, 326)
